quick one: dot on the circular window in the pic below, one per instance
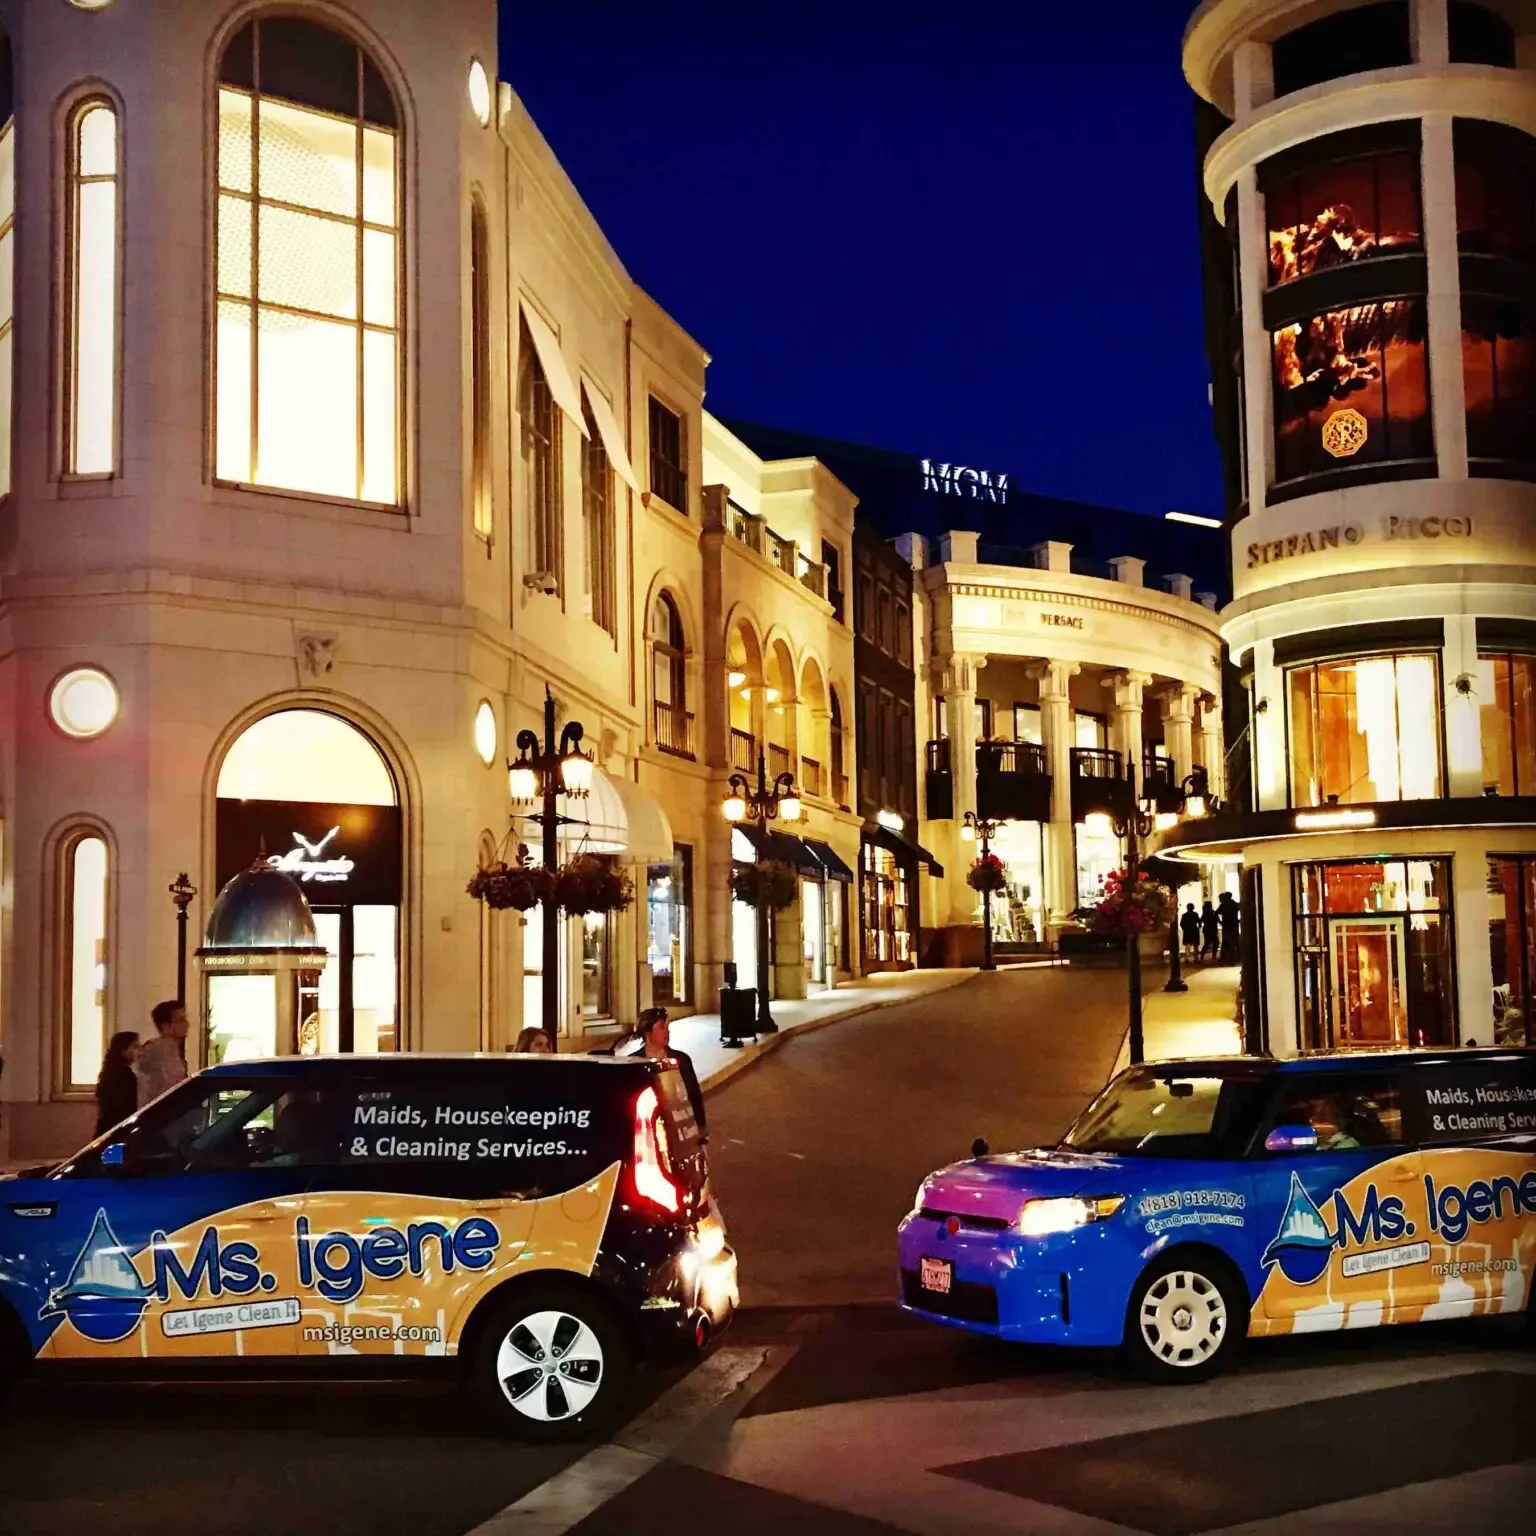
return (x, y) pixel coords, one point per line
(84, 702)
(485, 733)
(480, 92)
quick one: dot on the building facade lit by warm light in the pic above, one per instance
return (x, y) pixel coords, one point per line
(332, 431)
(1370, 171)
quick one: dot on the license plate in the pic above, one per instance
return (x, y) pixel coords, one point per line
(936, 1275)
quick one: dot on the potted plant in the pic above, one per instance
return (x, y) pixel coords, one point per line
(514, 887)
(592, 884)
(987, 874)
(768, 883)
(1130, 908)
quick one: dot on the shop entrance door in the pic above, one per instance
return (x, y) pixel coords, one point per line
(358, 984)
(1368, 969)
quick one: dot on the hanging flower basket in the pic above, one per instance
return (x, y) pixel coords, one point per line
(1131, 908)
(987, 874)
(592, 884)
(769, 883)
(511, 887)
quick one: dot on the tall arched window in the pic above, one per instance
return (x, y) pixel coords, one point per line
(669, 679)
(90, 277)
(839, 772)
(540, 418)
(308, 366)
(597, 524)
(7, 258)
(480, 366)
(82, 874)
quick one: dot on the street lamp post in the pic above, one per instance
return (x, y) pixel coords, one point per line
(971, 828)
(761, 804)
(182, 893)
(1192, 798)
(545, 770)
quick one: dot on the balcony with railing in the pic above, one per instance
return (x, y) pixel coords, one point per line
(1159, 781)
(938, 781)
(1099, 783)
(673, 730)
(1012, 781)
(743, 751)
(812, 780)
(778, 760)
(751, 530)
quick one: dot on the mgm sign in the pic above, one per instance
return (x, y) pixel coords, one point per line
(961, 480)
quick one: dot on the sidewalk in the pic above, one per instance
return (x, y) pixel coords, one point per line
(1199, 1022)
(699, 1034)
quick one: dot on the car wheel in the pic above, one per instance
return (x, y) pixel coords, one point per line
(553, 1363)
(1184, 1321)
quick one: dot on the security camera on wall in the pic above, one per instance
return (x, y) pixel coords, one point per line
(542, 581)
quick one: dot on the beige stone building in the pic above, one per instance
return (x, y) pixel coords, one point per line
(332, 433)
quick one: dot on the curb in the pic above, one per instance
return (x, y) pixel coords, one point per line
(765, 1045)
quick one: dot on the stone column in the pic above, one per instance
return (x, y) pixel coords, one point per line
(1210, 745)
(1056, 733)
(1463, 711)
(1126, 691)
(1268, 727)
(957, 682)
(1178, 727)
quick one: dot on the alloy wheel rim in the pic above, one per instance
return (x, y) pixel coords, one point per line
(549, 1366)
(1183, 1318)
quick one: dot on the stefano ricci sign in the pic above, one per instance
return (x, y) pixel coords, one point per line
(962, 480)
(341, 855)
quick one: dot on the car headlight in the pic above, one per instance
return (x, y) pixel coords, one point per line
(1041, 1218)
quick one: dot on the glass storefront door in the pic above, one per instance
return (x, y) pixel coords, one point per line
(360, 983)
(1368, 966)
(668, 900)
(1512, 946)
(887, 902)
(813, 932)
(1018, 912)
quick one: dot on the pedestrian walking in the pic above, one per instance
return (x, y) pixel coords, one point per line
(533, 1042)
(162, 1061)
(1210, 932)
(654, 1027)
(117, 1089)
(1189, 931)
(1229, 915)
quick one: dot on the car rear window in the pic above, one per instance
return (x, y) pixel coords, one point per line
(1454, 1103)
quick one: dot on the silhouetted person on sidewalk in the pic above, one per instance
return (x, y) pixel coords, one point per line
(1210, 932)
(117, 1088)
(1230, 917)
(1189, 930)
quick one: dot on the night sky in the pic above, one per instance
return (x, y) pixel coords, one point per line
(968, 231)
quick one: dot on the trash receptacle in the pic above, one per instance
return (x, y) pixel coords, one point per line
(738, 1014)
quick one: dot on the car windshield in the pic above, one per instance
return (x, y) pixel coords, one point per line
(1162, 1112)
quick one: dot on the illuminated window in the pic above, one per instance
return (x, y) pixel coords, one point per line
(1498, 353)
(669, 679)
(1352, 387)
(669, 467)
(480, 368)
(1507, 689)
(597, 521)
(1512, 948)
(308, 360)
(1365, 730)
(84, 950)
(7, 261)
(90, 359)
(540, 418)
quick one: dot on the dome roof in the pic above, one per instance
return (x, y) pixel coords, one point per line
(261, 909)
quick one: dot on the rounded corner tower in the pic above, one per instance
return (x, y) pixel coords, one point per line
(1369, 169)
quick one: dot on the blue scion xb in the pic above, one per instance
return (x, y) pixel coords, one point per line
(1195, 1203)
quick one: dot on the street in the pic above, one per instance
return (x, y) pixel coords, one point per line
(851, 1418)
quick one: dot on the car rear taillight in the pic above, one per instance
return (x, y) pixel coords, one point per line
(652, 1165)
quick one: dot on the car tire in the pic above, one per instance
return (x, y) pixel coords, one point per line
(1185, 1320)
(553, 1362)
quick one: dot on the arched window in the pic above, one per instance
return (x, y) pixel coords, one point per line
(90, 276)
(480, 366)
(669, 679)
(7, 258)
(84, 947)
(540, 418)
(839, 772)
(597, 524)
(308, 362)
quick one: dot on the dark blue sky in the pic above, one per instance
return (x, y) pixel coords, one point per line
(968, 231)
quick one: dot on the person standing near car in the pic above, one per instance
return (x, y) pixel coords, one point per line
(654, 1027)
(162, 1061)
(117, 1088)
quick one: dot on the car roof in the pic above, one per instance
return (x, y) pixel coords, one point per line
(299, 1066)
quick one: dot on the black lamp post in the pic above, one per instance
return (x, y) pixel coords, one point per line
(761, 804)
(1139, 822)
(182, 893)
(544, 771)
(971, 828)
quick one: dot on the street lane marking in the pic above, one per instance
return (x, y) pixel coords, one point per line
(565, 1500)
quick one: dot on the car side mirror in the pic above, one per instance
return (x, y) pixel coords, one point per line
(1291, 1138)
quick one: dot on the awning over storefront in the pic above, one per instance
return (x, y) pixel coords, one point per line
(904, 847)
(561, 385)
(832, 865)
(784, 847)
(617, 817)
(608, 431)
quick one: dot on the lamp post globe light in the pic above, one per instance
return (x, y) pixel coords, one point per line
(972, 828)
(759, 805)
(543, 771)
(1191, 798)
